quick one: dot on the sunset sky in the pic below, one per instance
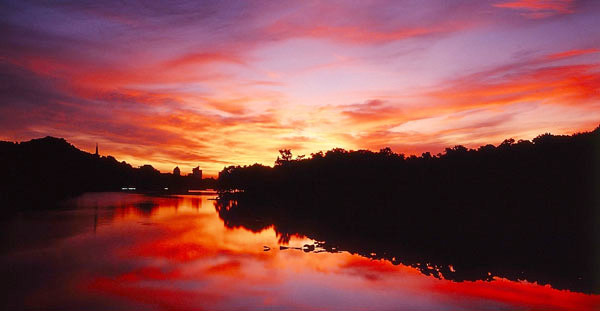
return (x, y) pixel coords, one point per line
(215, 83)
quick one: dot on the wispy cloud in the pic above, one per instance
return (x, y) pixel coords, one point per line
(539, 8)
(571, 53)
(218, 83)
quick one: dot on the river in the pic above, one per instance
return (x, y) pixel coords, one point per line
(117, 251)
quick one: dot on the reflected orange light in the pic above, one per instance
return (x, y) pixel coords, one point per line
(219, 265)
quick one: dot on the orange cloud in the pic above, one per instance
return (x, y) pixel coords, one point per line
(484, 107)
(565, 85)
(227, 90)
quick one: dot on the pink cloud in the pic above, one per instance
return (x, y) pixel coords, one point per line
(539, 8)
(571, 53)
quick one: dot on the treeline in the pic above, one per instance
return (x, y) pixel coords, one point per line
(522, 210)
(49, 169)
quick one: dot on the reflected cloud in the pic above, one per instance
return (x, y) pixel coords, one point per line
(189, 260)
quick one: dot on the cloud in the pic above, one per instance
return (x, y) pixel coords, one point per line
(203, 58)
(519, 294)
(365, 22)
(219, 83)
(565, 85)
(164, 298)
(539, 8)
(375, 270)
(374, 110)
(519, 100)
(571, 53)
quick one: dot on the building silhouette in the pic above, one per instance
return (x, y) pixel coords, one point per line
(197, 172)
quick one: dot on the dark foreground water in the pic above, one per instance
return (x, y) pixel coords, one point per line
(115, 251)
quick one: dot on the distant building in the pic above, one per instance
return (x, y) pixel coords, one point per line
(197, 172)
(97, 154)
(176, 171)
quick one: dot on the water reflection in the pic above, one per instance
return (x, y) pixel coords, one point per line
(124, 252)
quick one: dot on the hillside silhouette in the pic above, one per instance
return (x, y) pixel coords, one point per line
(49, 169)
(521, 210)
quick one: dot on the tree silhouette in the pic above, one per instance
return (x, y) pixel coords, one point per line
(285, 156)
(42, 171)
(522, 210)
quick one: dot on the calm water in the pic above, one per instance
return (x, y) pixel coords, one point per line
(115, 251)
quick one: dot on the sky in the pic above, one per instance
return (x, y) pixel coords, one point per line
(217, 83)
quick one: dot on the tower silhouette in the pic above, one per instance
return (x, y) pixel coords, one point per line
(96, 154)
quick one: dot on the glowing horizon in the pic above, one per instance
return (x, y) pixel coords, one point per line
(226, 83)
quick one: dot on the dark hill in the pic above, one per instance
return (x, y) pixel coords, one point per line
(43, 171)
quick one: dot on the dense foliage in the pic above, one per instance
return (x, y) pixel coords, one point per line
(526, 209)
